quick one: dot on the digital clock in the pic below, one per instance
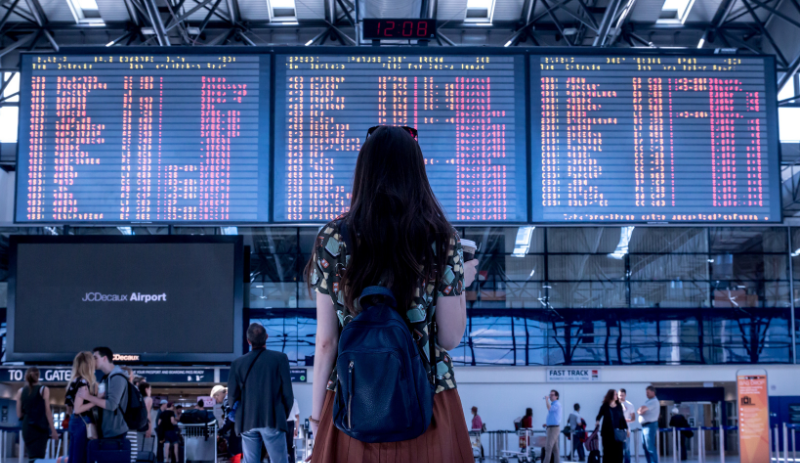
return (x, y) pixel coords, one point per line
(376, 29)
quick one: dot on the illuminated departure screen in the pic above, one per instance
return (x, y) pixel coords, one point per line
(469, 111)
(143, 138)
(654, 139)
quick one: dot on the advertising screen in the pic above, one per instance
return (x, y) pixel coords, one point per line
(168, 298)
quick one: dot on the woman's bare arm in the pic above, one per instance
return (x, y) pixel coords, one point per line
(327, 345)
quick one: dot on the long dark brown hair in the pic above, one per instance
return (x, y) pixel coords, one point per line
(610, 397)
(394, 221)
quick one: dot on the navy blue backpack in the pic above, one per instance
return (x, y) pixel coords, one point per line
(383, 393)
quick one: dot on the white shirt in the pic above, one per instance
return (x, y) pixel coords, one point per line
(628, 408)
(653, 410)
(295, 411)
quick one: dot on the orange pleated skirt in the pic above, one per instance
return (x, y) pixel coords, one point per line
(445, 441)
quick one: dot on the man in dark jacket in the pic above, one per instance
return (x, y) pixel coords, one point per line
(679, 421)
(260, 382)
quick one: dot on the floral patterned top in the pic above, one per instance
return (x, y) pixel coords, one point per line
(331, 260)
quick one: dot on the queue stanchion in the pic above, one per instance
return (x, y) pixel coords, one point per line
(785, 444)
(21, 447)
(636, 446)
(722, 444)
(794, 427)
(674, 446)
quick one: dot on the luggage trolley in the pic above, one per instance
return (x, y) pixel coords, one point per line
(475, 441)
(528, 452)
(199, 441)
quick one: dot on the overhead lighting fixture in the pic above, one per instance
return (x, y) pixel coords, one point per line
(508, 44)
(701, 43)
(229, 230)
(796, 252)
(86, 12)
(675, 11)
(308, 44)
(127, 231)
(523, 242)
(283, 11)
(622, 247)
(480, 12)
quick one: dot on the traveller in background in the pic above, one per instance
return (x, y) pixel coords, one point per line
(260, 381)
(227, 431)
(679, 421)
(633, 424)
(477, 423)
(168, 431)
(648, 418)
(178, 410)
(527, 420)
(82, 412)
(218, 393)
(146, 392)
(293, 425)
(113, 389)
(613, 419)
(33, 411)
(577, 432)
(553, 426)
(401, 236)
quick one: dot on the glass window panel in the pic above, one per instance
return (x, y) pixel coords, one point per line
(588, 267)
(747, 239)
(583, 240)
(524, 268)
(673, 239)
(494, 341)
(587, 342)
(749, 266)
(639, 340)
(272, 295)
(676, 293)
(761, 337)
(744, 294)
(3, 295)
(503, 239)
(290, 336)
(653, 267)
(524, 295)
(584, 295)
(196, 231)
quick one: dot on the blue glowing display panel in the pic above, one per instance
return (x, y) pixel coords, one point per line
(469, 111)
(151, 137)
(654, 139)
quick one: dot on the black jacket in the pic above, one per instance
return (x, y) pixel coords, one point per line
(267, 398)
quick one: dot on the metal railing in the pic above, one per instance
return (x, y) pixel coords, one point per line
(705, 442)
(784, 443)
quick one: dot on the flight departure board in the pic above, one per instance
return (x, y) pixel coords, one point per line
(469, 111)
(667, 138)
(144, 137)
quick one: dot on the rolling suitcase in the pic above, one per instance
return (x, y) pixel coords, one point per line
(109, 451)
(147, 455)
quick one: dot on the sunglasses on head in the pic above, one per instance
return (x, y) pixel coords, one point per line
(411, 131)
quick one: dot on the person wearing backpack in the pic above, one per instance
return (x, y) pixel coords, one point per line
(112, 397)
(389, 276)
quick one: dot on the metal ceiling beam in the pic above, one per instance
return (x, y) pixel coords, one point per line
(8, 14)
(155, 20)
(186, 15)
(621, 21)
(720, 16)
(765, 33)
(181, 26)
(233, 11)
(605, 24)
(19, 43)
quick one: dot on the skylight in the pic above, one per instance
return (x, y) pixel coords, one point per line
(283, 10)
(675, 11)
(479, 11)
(86, 12)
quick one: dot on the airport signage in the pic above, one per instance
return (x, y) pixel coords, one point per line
(573, 375)
(754, 432)
(298, 375)
(46, 375)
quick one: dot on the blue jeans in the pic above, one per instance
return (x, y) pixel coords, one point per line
(626, 450)
(273, 439)
(649, 432)
(77, 439)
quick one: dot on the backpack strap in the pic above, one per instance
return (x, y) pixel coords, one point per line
(124, 393)
(247, 375)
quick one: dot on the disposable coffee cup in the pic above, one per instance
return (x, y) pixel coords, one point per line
(469, 248)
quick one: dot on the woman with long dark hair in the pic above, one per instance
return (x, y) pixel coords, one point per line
(401, 240)
(33, 410)
(614, 427)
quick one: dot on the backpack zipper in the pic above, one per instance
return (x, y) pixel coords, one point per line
(350, 397)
